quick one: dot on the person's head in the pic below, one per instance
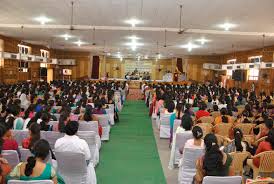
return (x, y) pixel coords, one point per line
(187, 122)
(268, 123)
(203, 106)
(40, 151)
(3, 131)
(215, 108)
(270, 137)
(71, 128)
(170, 106)
(64, 117)
(197, 132)
(34, 131)
(238, 136)
(213, 158)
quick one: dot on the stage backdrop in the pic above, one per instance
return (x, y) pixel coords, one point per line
(141, 66)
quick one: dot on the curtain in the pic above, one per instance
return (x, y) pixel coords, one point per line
(95, 67)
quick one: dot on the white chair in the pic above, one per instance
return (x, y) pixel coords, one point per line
(112, 107)
(187, 165)
(91, 126)
(222, 180)
(51, 137)
(30, 182)
(57, 115)
(53, 123)
(181, 139)
(19, 135)
(165, 126)
(104, 122)
(25, 154)
(90, 138)
(72, 167)
(110, 114)
(11, 156)
(177, 123)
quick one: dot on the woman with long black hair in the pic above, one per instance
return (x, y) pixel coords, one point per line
(214, 162)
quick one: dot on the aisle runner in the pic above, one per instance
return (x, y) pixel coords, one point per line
(134, 94)
(131, 156)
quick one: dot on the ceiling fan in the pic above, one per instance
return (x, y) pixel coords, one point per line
(181, 30)
(165, 40)
(71, 27)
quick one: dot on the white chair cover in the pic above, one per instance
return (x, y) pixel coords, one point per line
(25, 154)
(90, 138)
(91, 126)
(51, 137)
(73, 168)
(110, 114)
(104, 122)
(57, 116)
(177, 123)
(19, 135)
(30, 182)
(11, 156)
(187, 165)
(54, 123)
(222, 180)
(165, 126)
(177, 144)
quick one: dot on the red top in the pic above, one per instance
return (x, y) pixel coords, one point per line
(263, 146)
(201, 113)
(10, 144)
(25, 143)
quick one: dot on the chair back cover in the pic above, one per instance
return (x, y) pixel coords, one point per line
(11, 156)
(19, 135)
(72, 167)
(88, 126)
(222, 180)
(25, 154)
(30, 182)
(51, 137)
(181, 139)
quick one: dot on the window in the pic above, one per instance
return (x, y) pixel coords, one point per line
(23, 66)
(253, 74)
(229, 74)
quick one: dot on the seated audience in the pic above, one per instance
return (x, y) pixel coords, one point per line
(202, 112)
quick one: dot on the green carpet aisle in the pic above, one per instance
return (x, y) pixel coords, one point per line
(131, 156)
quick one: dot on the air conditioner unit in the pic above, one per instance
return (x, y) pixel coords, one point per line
(239, 66)
(66, 62)
(267, 65)
(255, 59)
(40, 59)
(227, 67)
(8, 55)
(252, 65)
(211, 66)
(26, 57)
(54, 61)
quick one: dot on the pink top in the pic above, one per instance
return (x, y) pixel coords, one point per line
(159, 104)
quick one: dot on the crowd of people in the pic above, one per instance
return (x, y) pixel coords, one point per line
(234, 107)
(32, 105)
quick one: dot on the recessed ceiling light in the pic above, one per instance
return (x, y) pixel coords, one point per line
(43, 19)
(133, 22)
(108, 53)
(189, 46)
(227, 26)
(133, 37)
(202, 40)
(66, 36)
(79, 43)
(146, 57)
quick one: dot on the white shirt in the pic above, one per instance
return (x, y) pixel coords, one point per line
(73, 144)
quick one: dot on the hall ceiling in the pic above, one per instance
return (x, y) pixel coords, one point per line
(200, 19)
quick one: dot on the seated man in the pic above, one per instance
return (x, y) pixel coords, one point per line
(72, 143)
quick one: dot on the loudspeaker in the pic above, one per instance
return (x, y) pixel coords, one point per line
(238, 75)
(43, 72)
